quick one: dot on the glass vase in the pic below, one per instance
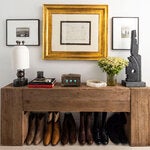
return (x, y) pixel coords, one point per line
(111, 80)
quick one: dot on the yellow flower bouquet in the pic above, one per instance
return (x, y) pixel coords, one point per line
(112, 66)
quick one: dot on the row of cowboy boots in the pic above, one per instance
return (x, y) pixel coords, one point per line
(46, 127)
(38, 130)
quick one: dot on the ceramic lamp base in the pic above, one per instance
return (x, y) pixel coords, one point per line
(20, 82)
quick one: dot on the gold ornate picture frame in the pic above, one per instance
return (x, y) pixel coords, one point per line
(75, 32)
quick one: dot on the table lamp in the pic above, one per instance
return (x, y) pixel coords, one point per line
(20, 58)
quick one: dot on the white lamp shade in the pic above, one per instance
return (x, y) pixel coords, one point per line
(20, 57)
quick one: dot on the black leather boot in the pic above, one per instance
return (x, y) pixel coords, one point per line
(96, 128)
(116, 131)
(104, 134)
(81, 137)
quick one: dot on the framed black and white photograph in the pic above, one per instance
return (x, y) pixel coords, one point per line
(75, 32)
(121, 32)
(27, 30)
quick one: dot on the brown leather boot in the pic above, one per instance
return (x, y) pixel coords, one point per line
(32, 129)
(72, 129)
(25, 126)
(48, 129)
(40, 128)
(89, 135)
(81, 137)
(56, 129)
(65, 130)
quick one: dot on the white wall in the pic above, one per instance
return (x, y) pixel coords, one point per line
(17, 9)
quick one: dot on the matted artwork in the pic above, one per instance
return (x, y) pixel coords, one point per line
(121, 32)
(27, 30)
(72, 32)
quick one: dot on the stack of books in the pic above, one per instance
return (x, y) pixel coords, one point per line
(42, 83)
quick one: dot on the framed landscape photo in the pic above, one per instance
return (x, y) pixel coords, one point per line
(121, 32)
(75, 32)
(27, 30)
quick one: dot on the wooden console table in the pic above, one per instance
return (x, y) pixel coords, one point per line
(16, 100)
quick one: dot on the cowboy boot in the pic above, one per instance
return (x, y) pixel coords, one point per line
(32, 129)
(96, 128)
(25, 126)
(40, 128)
(81, 137)
(72, 129)
(65, 130)
(48, 129)
(89, 136)
(104, 134)
(113, 128)
(56, 129)
(122, 134)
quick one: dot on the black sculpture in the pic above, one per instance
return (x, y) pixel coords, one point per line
(133, 70)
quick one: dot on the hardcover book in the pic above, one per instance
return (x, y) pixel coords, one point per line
(42, 83)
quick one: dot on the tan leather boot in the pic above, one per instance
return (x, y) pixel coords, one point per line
(48, 129)
(56, 129)
(32, 129)
(40, 128)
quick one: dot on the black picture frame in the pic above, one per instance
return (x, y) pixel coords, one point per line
(121, 32)
(27, 30)
(79, 32)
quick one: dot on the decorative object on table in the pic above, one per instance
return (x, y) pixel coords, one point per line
(42, 83)
(112, 66)
(27, 30)
(133, 70)
(20, 58)
(75, 32)
(121, 35)
(96, 83)
(70, 80)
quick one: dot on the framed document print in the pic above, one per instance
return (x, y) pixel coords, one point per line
(121, 32)
(75, 32)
